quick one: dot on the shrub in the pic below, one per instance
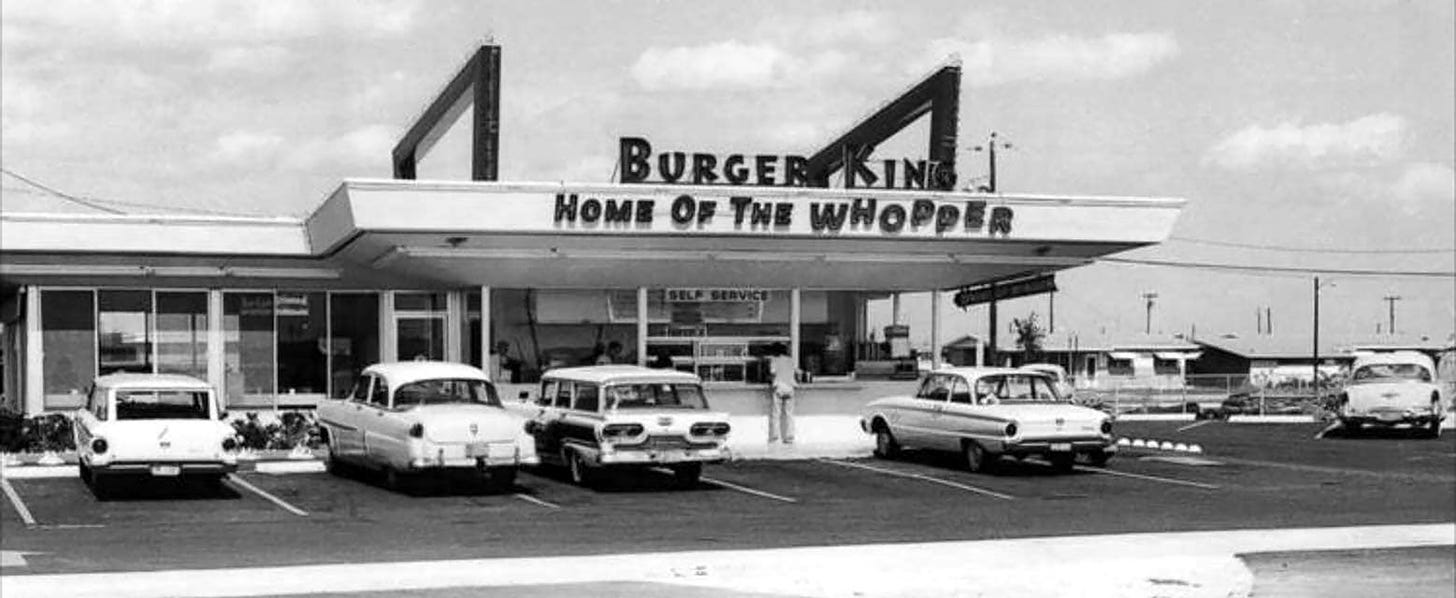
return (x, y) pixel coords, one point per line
(293, 429)
(36, 434)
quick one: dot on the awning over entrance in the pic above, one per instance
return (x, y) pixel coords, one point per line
(402, 234)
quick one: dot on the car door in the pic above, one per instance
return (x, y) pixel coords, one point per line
(578, 423)
(958, 419)
(345, 418)
(918, 419)
(370, 423)
(548, 429)
(89, 417)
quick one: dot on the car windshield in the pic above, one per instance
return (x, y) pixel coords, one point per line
(656, 396)
(442, 391)
(161, 404)
(1387, 372)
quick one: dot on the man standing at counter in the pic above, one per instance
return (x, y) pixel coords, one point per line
(783, 373)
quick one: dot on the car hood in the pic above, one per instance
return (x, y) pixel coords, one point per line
(468, 423)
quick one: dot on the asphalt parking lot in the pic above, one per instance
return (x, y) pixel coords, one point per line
(1249, 476)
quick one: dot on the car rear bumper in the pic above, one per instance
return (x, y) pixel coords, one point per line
(1392, 418)
(660, 456)
(472, 463)
(1044, 448)
(165, 468)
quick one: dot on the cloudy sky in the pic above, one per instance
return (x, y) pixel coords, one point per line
(1321, 131)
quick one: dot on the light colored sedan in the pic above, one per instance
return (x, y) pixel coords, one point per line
(1390, 389)
(149, 426)
(423, 416)
(987, 413)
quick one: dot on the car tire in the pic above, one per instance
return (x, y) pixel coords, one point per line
(977, 460)
(395, 480)
(577, 468)
(886, 447)
(332, 464)
(1433, 429)
(503, 478)
(686, 475)
(1099, 458)
(102, 487)
(1063, 462)
(84, 471)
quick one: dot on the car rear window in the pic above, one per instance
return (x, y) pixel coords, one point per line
(1385, 372)
(161, 404)
(443, 391)
(656, 396)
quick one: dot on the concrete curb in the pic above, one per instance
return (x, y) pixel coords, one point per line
(1272, 419)
(1156, 417)
(1158, 445)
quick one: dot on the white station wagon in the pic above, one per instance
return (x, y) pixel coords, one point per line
(987, 413)
(426, 416)
(1389, 389)
(152, 426)
(591, 419)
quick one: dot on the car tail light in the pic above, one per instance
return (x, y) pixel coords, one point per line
(1106, 426)
(1011, 429)
(99, 446)
(417, 431)
(710, 429)
(621, 430)
(229, 444)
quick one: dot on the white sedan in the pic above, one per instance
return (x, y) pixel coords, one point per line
(1389, 389)
(149, 426)
(421, 416)
(987, 413)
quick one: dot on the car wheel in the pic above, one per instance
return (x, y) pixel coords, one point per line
(886, 447)
(332, 464)
(581, 473)
(976, 458)
(1098, 458)
(1433, 429)
(1063, 462)
(503, 478)
(102, 487)
(686, 475)
(85, 472)
(394, 479)
(1352, 426)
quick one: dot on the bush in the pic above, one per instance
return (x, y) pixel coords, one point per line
(293, 429)
(36, 434)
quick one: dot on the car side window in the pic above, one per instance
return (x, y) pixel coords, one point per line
(937, 388)
(548, 393)
(987, 390)
(588, 398)
(563, 395)
(96, 402)
(379, 397)
(960, 392)
(361, 389)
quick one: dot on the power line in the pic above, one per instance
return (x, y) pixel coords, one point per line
(94, 202)
(60, 194)
(1306, 249)
(1270, 269)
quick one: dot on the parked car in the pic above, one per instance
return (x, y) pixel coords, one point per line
(149, 426)
(1391, 389)
(422, 417)
(1059, 378)
(598, 418)
(987, 413)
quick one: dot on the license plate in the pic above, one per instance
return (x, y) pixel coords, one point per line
(478, 449)
(166, 470)
(1062, 447)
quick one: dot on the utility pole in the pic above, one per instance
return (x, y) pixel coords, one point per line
(990, 149)
(1149, 297)
(1052, 312)
(1314, 382)
(1391, 299)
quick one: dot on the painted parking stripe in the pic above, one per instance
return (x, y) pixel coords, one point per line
(747, 490)
(1195, 425)
(1330, 428)
(926, 478)
(269, 497)
(1150, 478)
(536, 501)
(19, 504)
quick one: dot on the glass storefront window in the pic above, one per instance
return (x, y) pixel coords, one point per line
(354, 337)
(124, 331)
(302, 324)
(68, 336)
(419, 326)
(249, 347)
(182, 333)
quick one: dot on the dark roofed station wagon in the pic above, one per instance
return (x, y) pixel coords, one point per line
(594, 419)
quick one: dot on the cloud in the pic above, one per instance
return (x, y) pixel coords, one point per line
(245, 148)
(853, 26)
(187, 22)
(351, 152)
(1054, 59)
(724, 65)
(1425, 182)
(1370, 139)
(253, 59)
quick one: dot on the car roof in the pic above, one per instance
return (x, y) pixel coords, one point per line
(404, 372)
(161, 381)
(603, 374)
(1395, 357)
(976, 371)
